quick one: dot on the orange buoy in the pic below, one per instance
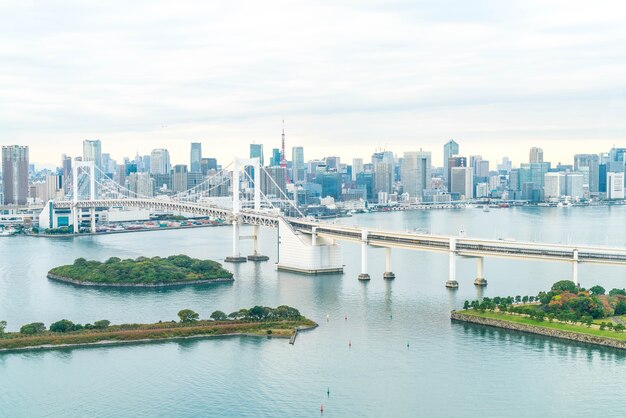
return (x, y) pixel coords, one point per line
(322, 408)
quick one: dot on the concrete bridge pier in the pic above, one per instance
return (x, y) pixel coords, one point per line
(364, 275)
(92, 220)
(480, 277)
(236, 257)
(575, 268)
(388, 275)
(255, 240)
(452, 283)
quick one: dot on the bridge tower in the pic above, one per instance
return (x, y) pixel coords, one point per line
(452, 283)
(92, 194)
(238, 164)
(480, 277)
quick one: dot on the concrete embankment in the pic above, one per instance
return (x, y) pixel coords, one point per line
(138, 285)
(548, 332)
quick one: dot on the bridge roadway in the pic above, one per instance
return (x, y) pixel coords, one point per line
(462, 246)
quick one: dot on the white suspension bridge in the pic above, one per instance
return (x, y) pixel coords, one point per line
(304, 245)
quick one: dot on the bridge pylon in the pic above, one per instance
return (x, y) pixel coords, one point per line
(452, 283)
(480, 277)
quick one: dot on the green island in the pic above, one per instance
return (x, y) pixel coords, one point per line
(175, 270)
(281, 322)
(566, 311)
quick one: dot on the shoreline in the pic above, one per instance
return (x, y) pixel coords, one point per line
(91, 234)
(113, 343)
(75, 282)
(502, 323)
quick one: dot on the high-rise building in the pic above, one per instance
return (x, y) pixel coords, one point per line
(454, 161)
(195, 157)
(66, 171)
(160, 161)
(297, 164)
(275, 160)
(462, 182)
(383, 177)
(506, 166)
(333, 163)
(273, 181)
(450, 149)
(179, 178)
(554, 185)
(15, 174)
(208, 164)
(256, 151)
(592, 161)
(574, 185)
(615, 185)
(415, 173)
(92, 151)
(141, 184)
(357, 167)
(536, 155)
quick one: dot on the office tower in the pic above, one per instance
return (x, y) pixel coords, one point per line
(333, 163)
(592, 161)
(275, 160)
(615, 185)
(179, 178)
(66, 167)
(208, 164)
(141, 184)
(256, 151)
(357, 167)
(145, 164)
(159, 161)
(415, 172)
(506, 166)
(574, 185)
(331, 184)
(514, 180)
(297, 164)
(273, 181)
(450, 149)
(15, 174)
(461, 181)
(536, 155)
(454, 161)
(92, 151)
(554, 185)
(195, 157)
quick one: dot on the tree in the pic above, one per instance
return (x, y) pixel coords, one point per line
(597, 290)
(219, 316)
(34, 328)
(564, 285)
(602, 326)
(187, 315)
(618, 328)
(620, 308)
(525, 299)
(63, 325)
(3, 326)
(466, 305)
(518, 299)
(101, 324)
(609, 325)
(615, 292)
(531, 299)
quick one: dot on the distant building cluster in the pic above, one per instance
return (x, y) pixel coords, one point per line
(319, 184)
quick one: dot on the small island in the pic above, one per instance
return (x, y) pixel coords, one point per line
(566, 311)
(176, 270)
(281, 322)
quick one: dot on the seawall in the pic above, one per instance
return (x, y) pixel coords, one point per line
(549, 332)
(133, 285)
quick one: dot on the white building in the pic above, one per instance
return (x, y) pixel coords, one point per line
(415, 173)
(462, 181)
(615, 185)
(554, 185)
(160, 161)
(482, 190)
(574, 185)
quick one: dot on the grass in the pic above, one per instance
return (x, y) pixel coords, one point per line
(159, 331)
(581, 329)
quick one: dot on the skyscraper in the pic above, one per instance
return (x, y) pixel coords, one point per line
(15, 174)
(256, 151)
(297, 164)
(179, 178)
(592, 161)
(275, 161)
(92, 151)
(415, 172)
(357, 167)
(196, 157)
(159, 161)
(454, 161)
(450, 149)
(66, 164)
(536, 155)
(461, 181)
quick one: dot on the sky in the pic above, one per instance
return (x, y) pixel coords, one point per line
(348, 77)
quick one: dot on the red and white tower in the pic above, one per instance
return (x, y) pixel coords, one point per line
(283, 160)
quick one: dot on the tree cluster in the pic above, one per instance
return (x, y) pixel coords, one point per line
(177, 268)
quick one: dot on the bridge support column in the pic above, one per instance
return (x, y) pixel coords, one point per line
(92, 220)
(575, 268)
(480, 277)
(452, 283)
(364, 275)
(236, 257)
(388, 273)
(75, 218)
(255, 239)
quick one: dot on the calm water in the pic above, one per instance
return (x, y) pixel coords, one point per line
(448, 370)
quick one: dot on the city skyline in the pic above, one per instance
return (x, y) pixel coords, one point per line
(495, 76)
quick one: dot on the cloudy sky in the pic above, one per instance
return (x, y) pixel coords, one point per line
(348, 76)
